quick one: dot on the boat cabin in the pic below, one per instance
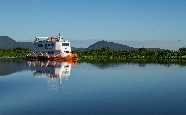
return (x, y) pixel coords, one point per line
(51, 46)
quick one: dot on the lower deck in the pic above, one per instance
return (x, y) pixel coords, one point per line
(72, 58)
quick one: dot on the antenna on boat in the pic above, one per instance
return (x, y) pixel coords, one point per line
(60, 36)
(36, 36)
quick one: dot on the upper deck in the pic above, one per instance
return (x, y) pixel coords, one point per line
(51, 45)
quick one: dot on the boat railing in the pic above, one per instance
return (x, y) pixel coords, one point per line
(52, 39)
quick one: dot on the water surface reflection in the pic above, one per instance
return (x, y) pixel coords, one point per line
(92, 89)
(56, 72)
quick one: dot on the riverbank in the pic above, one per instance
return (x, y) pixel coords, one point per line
(14, 53)
(141, 55)
(106, 56)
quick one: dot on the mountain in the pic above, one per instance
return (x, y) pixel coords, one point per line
(24, 45)
(110, 45)
(7, 42)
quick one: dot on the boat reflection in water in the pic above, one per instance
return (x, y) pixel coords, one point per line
(55, 72)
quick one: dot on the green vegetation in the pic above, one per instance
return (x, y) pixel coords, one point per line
(14, 53)
(141, 55)
(106, 56)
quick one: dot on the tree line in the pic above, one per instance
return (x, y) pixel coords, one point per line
(106, 55)
(14, 53)
(145, 55)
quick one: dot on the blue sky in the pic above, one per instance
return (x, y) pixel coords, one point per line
(94, 19)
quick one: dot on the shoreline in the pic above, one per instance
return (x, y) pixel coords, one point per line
(106, 56)
(125, 61)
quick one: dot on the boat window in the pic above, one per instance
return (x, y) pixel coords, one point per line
(49, 46)
(66, 66)
(65, 44)
(50, 52)
(67, 51)
(40, 45)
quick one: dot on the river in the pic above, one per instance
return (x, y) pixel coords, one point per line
(52, 88)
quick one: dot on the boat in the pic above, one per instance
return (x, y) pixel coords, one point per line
(53, 48)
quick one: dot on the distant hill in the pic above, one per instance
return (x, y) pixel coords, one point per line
(7, 42)
(110, 45)
(24, 44)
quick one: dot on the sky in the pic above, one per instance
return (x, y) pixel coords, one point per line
(94, 19)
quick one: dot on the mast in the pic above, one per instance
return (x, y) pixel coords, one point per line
(60, 36)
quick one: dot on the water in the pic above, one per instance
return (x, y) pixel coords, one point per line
(63, 88)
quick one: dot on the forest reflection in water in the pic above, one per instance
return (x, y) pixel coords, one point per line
(54, 70)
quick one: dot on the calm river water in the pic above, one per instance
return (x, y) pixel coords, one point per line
(61, 88)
